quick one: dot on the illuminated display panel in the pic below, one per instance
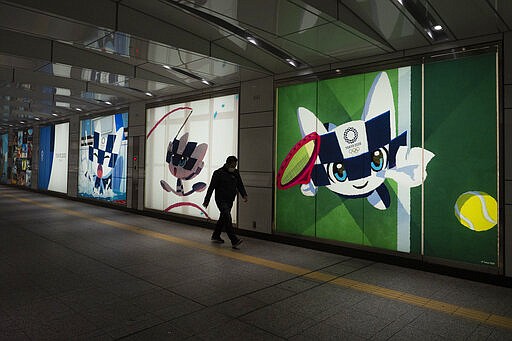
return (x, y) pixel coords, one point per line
(53, 157)
(22, 146)
(208, 135)
(4, 158)
(359, 160)
(103, 158)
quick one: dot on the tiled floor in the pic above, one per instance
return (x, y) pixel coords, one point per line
(72, 271)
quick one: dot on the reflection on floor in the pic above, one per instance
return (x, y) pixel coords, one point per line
(71, 270)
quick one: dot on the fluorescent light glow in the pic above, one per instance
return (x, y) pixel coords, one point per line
(438, 28)
(166, 67)
(54, 114)
(338, 70)
(429, 32)
(62, 92)
(108, 102)
(291, 62)
(22, 122)
(62, 104)
(78, 109)
(149, 94)
(37, 118)
(400, 2)
(204, 81)
(252, 40)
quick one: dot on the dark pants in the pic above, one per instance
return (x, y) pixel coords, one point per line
(224, 222)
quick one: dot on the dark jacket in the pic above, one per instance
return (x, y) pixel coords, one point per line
(226, 186)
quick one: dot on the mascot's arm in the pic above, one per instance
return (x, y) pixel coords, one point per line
(408, 170)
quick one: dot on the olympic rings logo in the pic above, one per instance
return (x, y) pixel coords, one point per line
(354, 150)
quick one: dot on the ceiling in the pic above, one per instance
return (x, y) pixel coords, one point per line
(61, 58)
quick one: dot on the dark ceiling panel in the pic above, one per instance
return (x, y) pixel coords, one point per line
(387, 19)
(468, 18)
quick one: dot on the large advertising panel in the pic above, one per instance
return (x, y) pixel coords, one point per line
(21, 173)
(4, 161)
(361, 160)
(185, 144)
(53, 157)
(103, 158)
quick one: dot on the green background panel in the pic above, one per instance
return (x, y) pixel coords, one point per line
(460, 128)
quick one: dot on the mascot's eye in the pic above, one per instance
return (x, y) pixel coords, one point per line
(379, 159)
(339, 172)
(183, 161)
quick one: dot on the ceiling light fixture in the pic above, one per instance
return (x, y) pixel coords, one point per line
(149, 94)
(166, 67)
(78, 109)
(22, 122)
(252, 40)
(425, 18)
(108, 102)
(37, 119)
(54, 114)
(194, 76)
(292, 62)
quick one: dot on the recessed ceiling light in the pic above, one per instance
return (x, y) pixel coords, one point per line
(149, 94)
(401, 2)
(338, 70)
(438, 28)
(252, 40)
(108, 102)
(22, 122)
(54, 114)
(291, 62)
(37, 118)
(78, 109)
(204, 81)
(166, 67)
(429, 32)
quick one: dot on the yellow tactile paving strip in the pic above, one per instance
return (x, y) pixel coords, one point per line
(480, 316)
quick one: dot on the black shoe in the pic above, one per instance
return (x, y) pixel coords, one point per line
(217, 240)
(236, 244)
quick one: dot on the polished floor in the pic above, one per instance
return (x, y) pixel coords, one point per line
(75, 271)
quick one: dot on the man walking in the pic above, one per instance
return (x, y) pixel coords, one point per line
(226, 182)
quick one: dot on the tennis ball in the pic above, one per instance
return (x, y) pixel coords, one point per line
(477, 211)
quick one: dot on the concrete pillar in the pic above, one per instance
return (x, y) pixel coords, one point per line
(136, 146)
(256, 154)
